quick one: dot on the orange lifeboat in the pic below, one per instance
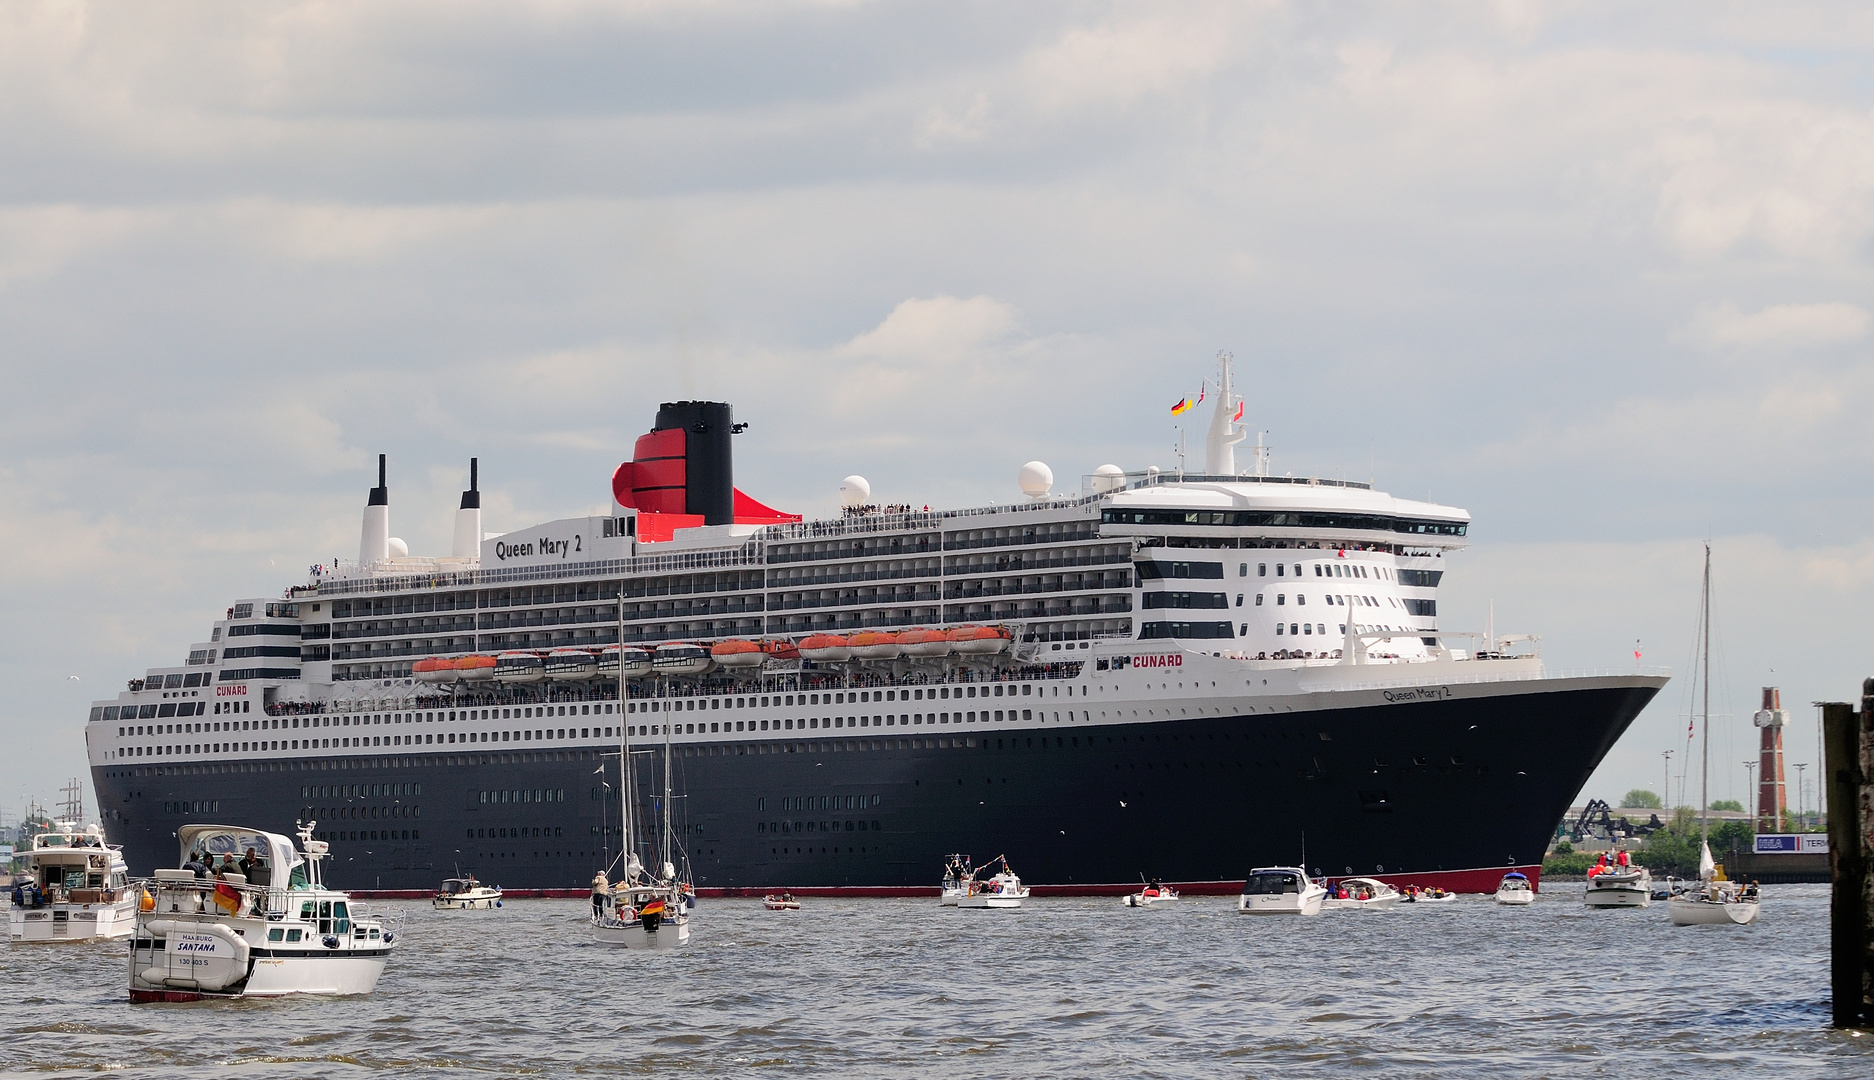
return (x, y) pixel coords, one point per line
(924, 643)
(434, 669)
(780, 650)
(979, 640)
(475, 668)
(875, 645)
(738, 653)
(826, 648)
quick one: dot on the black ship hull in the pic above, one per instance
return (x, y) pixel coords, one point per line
(1441, 788)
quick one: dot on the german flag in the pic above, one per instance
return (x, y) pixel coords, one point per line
(655, 907)
(1183, 406)
(226, 898)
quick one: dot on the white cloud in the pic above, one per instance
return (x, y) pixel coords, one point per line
(1779, 326)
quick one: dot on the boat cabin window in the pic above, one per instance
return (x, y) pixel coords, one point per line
(293, 935)
(1271, 884)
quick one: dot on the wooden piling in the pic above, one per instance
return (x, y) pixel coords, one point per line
(1846, 741)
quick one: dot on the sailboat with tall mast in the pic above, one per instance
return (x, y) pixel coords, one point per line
(1714, 901)
(642, 910)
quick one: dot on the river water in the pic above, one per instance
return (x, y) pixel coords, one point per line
(1061, 988)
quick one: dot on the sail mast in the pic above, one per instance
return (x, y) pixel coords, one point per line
(1704, 780)
(666, 821)
(624, 743)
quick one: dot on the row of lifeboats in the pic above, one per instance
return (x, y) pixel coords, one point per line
(690, 658)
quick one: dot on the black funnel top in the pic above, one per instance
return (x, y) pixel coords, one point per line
(709, 471)
(472, 498)
(380, 495)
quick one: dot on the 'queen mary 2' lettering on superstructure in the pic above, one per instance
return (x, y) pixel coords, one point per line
(1169, 675)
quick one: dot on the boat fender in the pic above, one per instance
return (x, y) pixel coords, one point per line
(497, 903)
(689, 902)
(330, 941)
(389, 937)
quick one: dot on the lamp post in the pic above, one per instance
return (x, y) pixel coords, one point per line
(1665, 792)
(1799, 767)
(1750, 772)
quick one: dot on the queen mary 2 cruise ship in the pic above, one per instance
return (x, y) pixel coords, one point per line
(1169, 674)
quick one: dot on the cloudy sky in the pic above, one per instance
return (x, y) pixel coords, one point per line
(1598, 274)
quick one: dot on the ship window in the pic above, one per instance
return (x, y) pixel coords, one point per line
(1278, 629)
(1307, 628)
(1280, 570)
(1280, 599)
(1239, 599)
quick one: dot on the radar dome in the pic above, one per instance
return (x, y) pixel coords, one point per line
(1035, 480)
(399, 549)
(854, 491)
(1108, 478)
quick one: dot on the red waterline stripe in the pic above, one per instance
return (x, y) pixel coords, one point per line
(1481, 880)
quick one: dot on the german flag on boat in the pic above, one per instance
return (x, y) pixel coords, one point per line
(654, 907)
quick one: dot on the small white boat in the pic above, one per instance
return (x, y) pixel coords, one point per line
(1515, 890)
(1433, 895)
(640, 913)
(1619, 886)
(957, 872)
(1153, 893)
(780, 902)
(1280, 890)
(76, 888)
(1004, 890)
(682, 658)
(272, 931)
(1715, 903)
(1360, 894)
(466, 894)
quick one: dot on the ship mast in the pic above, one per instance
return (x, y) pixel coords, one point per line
(668, 869)
(624, 750)
(1704, 780)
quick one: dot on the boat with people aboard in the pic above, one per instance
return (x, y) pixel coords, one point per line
(1360, 894)
(780, 902)
(649, 907)
(1515, 889)
(466, 894)
(1153, 893)
(954, 882)
(1281, 890)
(1000, 890)
(1618, 882)
(261, 925)
(1270, 641)
(73, 887)
(1414, 894)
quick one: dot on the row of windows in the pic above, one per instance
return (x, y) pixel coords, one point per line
(1154, 601)
(808, 826)
(147, 712)
(264, 630)
(823, 802)
(514, 833)
(811, 723)
(261, 650)
(358, 791)
(534, 795)
(1160, 569)
(250, 674)
(1301, 600)
(1185, 630)
(1283, 520)
(370, 834)
(845, 697)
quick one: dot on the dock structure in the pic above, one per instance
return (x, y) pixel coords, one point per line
(1848, 744)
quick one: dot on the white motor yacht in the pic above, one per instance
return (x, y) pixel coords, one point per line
(268, 930)
(1360, 894)
(1619, 886)
(466, 894)
(1280, 890)
(1515, 890)
(957, 872)
(75, 888)
(1004, 890)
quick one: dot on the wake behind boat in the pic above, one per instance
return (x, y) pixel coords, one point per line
(265, 926)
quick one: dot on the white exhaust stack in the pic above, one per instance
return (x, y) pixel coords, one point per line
(374, 539)
(468, 519)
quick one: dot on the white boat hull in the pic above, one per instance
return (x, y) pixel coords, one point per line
(1281, 904)
(72, 922)
(467, 903)
(1377, 903)
(1515, 897)
(670, 934)
(993, 900)
(1619, 896)
(1706, 913)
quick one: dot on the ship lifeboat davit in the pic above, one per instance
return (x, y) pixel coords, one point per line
(924, 643)
(876, 645)
(738, 653)
(826, 648)
(571, 665)
(682, 658)
(475, 668)
(979, 640)
(434, 669)
(519, 667)
(637, 663)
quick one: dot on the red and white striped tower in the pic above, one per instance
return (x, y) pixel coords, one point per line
(1772, 796)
